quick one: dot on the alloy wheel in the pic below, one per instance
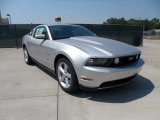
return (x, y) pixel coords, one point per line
(25, 55)
(64, 75)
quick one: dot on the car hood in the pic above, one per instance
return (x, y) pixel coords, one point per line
(101, 47)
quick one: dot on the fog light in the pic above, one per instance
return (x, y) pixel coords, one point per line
(116, 61)
(86, 78)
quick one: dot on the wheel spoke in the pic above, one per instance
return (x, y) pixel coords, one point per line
(65, 68)
(68, 75)
(62, 78)
(67, 82)
(61, 70)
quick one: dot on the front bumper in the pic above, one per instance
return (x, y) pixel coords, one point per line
(102, 75)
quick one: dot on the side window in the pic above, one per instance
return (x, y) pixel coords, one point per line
(40, 31)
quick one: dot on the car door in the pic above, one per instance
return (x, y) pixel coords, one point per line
(37, 41)
(44, 49)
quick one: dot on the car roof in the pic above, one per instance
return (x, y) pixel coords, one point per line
(62, 25)
(57, 25)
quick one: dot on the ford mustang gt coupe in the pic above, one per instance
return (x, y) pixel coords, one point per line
(79, 58)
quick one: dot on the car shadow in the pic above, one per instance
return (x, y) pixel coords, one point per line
(138, 88)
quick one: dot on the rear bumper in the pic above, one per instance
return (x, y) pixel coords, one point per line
(101, 76)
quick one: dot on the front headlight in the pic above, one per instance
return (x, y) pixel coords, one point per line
(96, 62)
(103, 62)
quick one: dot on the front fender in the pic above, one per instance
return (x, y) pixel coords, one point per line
(75, 55)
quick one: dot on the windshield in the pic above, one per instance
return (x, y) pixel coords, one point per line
(67, 31)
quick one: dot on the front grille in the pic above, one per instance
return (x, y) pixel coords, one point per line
(116, 82)
(123, 61)
(127, 60)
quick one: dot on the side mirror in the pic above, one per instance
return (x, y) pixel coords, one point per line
(42, 36)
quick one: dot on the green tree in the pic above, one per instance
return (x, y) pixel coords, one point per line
(149, 24)
(120, 21)
(155, 22)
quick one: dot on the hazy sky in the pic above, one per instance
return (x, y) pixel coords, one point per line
(77, 11)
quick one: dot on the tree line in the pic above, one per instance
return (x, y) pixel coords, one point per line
(149, 24)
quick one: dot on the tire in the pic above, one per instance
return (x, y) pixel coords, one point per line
(27, 58)
(66, 76)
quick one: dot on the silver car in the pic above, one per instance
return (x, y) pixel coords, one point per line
(81, 59)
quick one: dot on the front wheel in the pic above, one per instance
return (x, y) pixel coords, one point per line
(27, 58)
(66, 75)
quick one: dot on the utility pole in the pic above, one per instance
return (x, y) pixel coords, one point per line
(9, 17)
(0, 16)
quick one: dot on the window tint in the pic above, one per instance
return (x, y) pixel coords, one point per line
(66, 31)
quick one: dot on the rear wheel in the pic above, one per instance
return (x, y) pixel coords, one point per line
(67, 76)
(27, 58)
